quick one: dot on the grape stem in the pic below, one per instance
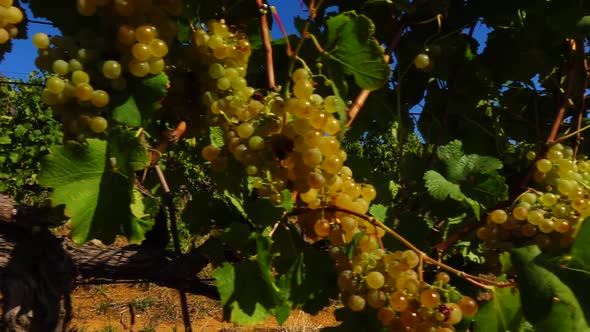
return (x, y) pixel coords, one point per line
(565, 96)
(422, 255)
(176, 241)
(275, 14)
(361, 98)
(267, 45)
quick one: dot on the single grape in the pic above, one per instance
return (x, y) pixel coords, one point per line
(422, 61)
(300, 74)
(411, 257)
(126, 35)
(111, 69)
(520, 213)
(141, 51)
(386, 316)
(100, 98)
(98, 124)
(83, 91)
(245, 130)
(498, 216)
(55, 84)
(455, 314)
(139, 68)
(430, 298)
(376, 298)
(468, 306)
(544, 165)
(356, 303)
(398, 301)
(210, 152)
(145, 34)
(158, 48)
(322, 227)
(303, 89)
(531, 155)
(80, 77)
(312, 157)
(61, 67)
(443, 278)
(375, 280)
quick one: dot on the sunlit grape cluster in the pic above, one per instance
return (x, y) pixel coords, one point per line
(550, 215)
(388, 282)
(89, 67)
(10, 16)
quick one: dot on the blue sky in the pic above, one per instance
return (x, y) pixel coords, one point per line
(21, 61)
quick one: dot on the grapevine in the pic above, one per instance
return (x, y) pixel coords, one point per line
(310, 171)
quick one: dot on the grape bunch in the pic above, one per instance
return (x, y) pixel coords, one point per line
(549, 216)
(86, 69)
(10, 16)
(388, 282)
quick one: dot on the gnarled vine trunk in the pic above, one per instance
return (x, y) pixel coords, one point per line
(38, 269)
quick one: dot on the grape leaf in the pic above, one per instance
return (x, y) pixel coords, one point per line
(378, 211)
(137, 108)
(127, 151)
(547, 302)
(440, 188)
(244, 302)
(501, 313)
(459, 165)
(126, 111)
(580, 251)
(97, 199)
(352, 46)
(216, 136)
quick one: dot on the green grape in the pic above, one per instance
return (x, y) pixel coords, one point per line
(544, 165)
(375, 280)
(368, 192)
(251, 170)
(348, 223)
(83, 91)
(468, 306)
(300, 74)
(245, 130)
(141, 52)
(528, 198)
(215, 41)
(368, 243)
(239, 83)
(455, 314)
(346, 280)
(549, 199)
(531, 155)
(49, 97)
(312, 157)
(430, 298)
(322, 227)
(422, 61)
(443, 277)
(536, 216)
(216, 71)
(566, 186)
(157, 66)
(111, 69)
(100, 98)
(80, 77)
(4, 36)
(560, 210)
(398, 301)
(498, 216)
(55, 84)
(145, 34)
(61, 67)
(158, 48)
(256, 143)
(332, 126)
(356, 303)
(411, 258)
(554, 155)
(98, 124)
(332, 164)
(139, 68)
(223, 83)
(309, 196)
(318, 119)
(317, 180)
(546, 226)
(74, 65)
(303, 89)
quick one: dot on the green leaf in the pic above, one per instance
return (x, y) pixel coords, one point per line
(378, 211)
(580, 251)
(352, 46)
(127, 151)
(440, 188)
(96, 198)
(244, 302)
(547, 302)
(459, 166)
(501, 313)
(125, 111)
(216, 136)
(288, 203)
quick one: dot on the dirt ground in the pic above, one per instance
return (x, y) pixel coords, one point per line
(147, 308)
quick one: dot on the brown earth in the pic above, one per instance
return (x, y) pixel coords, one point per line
(147, 308)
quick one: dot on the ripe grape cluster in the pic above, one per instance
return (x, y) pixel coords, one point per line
(10, 16)
(388, 282)
(292, 143)
(550, 215)
(88, 68)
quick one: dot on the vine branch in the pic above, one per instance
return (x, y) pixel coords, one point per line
(265, 31)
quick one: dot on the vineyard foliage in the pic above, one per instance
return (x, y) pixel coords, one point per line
(396, 144)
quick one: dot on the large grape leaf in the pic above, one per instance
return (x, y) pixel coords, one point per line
(351, 45)
(547, 302)
(97, 196)
(580, 251)
(501, 313)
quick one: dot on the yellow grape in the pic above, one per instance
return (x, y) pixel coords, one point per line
(41, 40)
(158, 48)
(100, 98)
(145, 34)
(141, 51)
(83, 91)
